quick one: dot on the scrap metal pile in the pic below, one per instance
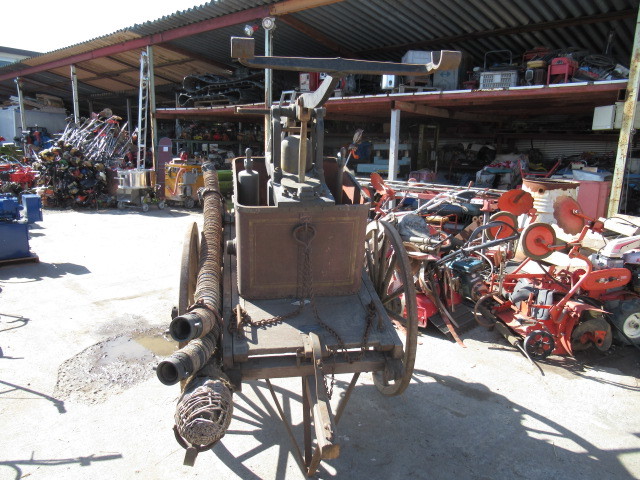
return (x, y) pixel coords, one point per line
(484, 250)
(15, 175)
(74, 170)
(245, 87)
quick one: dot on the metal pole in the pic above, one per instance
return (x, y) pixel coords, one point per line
(143, 109)
(74, 91)
(177, 132)
(152, 109)
(23, 114)
(90, 106)
(268, 94)
(394, 141)
(129, 118)
(626, 131)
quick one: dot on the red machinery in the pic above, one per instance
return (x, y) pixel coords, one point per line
(561, 70)
(555, 310)
(13, 171)
(450, 248)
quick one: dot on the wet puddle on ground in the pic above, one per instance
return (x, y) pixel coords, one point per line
(158, 344)
(113, 365)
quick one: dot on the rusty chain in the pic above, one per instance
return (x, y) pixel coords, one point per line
(303, 235)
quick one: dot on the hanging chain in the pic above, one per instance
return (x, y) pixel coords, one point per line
(304, 235)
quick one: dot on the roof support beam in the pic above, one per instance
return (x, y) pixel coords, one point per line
(115, 73)
(62, 86)
(534, 27)
(316, 35)
(136, 68)
(143, 42)
(195, 56)
(292, 6)
(279, 8)
(97, 77)
(443, 113)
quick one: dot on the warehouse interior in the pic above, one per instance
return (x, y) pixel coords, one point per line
(372, 238)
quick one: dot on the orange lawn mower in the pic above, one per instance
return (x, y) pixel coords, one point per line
(556, 310)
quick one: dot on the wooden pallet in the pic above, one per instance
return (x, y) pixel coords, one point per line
(10, 261)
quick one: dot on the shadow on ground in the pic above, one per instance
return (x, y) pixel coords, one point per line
(11, 322)
(618, 360)
(33, 272)
(13, 388)
(458, 430)
(18, 465)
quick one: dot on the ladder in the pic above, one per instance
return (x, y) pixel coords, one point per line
(143, 109)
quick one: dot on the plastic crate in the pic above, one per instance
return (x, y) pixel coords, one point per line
(32, 207)
(14, 240)
(504, 79)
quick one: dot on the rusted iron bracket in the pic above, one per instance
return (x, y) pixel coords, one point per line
(244, 50)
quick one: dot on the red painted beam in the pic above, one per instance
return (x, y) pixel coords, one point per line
(577, 95)
(142, 42)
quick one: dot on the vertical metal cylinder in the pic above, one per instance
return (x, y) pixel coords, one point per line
(23, 113)
(74, 92)
(268, 94)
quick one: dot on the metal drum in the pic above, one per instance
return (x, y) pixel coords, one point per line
(136, 178)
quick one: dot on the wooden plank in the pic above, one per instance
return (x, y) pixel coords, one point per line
(227, 301)
(345, 315)
(385, 326)
(11, 261)
(287, 366)
(320, 406)
(444, 113)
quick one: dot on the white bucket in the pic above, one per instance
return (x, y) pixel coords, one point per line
(544, 193)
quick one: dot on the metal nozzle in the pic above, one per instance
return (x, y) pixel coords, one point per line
(185, 327)
(171, 370)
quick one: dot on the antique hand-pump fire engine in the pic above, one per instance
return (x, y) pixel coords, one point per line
(304, 287)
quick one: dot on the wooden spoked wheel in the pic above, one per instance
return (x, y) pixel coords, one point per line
(390, 271)
(188, 268)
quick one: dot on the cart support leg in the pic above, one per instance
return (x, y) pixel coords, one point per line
(343, 402)
(306, 421)
(323, 421)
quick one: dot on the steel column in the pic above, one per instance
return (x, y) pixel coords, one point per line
(394, 141)
(176, 134)
(23, 114)
(268, 79)
(129, 118)
(626, 130)
(152, 108)
(74, 92)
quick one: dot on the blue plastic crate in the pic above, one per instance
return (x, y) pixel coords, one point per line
(14, 240)
(9, 208)
(32, 207)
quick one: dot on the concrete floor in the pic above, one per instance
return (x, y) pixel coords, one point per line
(79, 398)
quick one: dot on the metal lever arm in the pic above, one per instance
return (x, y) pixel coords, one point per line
(244, 50)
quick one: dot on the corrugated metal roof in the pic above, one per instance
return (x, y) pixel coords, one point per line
(372, 29)
(104, 41)
(197, 14)
(379, 29)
